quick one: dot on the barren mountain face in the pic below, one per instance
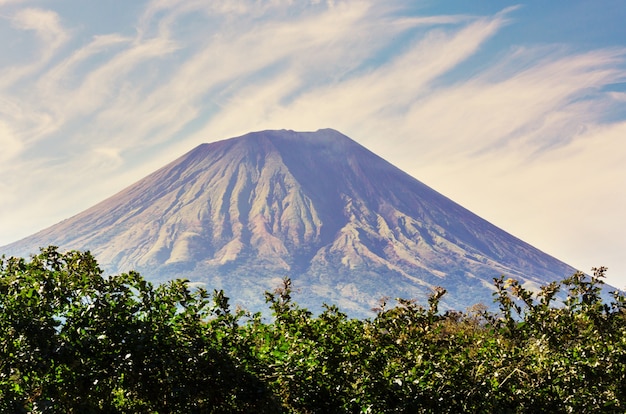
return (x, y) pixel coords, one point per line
(348, 227)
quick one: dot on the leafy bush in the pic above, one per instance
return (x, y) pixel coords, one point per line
(74, 341)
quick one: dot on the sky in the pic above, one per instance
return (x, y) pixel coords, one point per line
(517, 111)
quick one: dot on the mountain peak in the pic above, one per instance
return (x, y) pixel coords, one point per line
(347, 226)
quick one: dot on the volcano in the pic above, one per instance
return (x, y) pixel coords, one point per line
(345, 225)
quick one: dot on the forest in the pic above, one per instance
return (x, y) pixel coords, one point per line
(73, 340)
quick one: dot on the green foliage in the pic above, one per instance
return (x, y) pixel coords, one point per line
(74, 341)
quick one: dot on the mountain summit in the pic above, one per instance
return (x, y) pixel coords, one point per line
(348, 227)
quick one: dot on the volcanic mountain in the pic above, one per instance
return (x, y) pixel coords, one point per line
(345, 225)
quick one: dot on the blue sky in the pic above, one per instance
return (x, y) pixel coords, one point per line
(517, 111)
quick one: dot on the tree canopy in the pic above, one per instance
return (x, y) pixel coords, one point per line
(75, 341)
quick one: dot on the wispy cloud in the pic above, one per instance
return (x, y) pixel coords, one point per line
(377, 94)
(4, 2)
(525, 110)
(9, 142)
(49, 34)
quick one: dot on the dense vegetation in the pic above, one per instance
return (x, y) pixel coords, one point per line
(73, 341)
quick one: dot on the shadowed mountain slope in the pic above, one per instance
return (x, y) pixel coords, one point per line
(347, 226)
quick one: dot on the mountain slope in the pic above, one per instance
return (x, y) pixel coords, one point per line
(347, 226)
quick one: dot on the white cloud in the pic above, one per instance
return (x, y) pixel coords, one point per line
(231, 60)
(381, 96)
(48, 30)
(618, 96)
(567, 201)
(519, 110)
(3, 2)
(45, 23)
(9, 143)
